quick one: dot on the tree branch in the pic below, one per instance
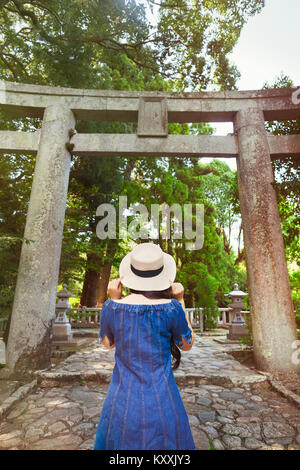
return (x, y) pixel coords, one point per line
(16, 60)
(9, 66)
(29, 14)
(43, 7)
(122, 48)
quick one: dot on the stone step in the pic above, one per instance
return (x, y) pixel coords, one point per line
(19, 394)
(55, 378)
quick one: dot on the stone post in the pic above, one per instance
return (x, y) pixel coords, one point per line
(62, 328)
(33, 314)
(201, 320)
(237, 327)
(273, 319)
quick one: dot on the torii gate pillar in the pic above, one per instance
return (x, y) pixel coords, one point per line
(33, 313)
(268, 282)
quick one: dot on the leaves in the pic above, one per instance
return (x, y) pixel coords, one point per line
(189, 44)
(196, 37)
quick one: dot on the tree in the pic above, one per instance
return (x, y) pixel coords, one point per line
(219, 189)
(190, 43)
(197, 37)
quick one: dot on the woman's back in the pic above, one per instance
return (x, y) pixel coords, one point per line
(142, 334)
(143, 408)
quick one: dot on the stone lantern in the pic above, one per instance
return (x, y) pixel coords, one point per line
(237, 327)
(62, 327)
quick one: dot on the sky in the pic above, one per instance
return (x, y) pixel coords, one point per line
(269, 44)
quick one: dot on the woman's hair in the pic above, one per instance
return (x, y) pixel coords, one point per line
(162, 294)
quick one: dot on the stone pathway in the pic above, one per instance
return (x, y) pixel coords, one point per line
(206, 361)
(229, 405)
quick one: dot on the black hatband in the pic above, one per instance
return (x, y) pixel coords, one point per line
(149, 273)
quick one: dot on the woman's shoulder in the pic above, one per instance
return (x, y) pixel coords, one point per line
(129, 305)
(106, 304)
(133, 299)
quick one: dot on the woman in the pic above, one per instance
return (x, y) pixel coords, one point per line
(143, 408)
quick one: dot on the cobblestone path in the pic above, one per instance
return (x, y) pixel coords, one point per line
(229, 405)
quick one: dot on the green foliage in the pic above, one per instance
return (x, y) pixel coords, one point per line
(295, 288)
(211, 445)
(78, 316)
(9, 246)
(202, 287)
(220, 187)
(287, 181)
(248, 339)
(207, 274)
(197, 37)
(15, 185)
(113, 38)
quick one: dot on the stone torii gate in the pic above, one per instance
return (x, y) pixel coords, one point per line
(274, 328)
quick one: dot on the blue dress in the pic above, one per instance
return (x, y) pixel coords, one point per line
(143, 408)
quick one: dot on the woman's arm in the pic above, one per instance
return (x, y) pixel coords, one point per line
(178, 293)
(105, 343)
(115, 289)
(186, 345)
(115, 292)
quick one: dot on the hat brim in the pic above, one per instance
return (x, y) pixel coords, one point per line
(160, 282)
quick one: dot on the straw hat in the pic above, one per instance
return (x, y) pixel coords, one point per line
(147, 268)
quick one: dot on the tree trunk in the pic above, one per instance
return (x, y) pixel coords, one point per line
(90, 288)
(103, 283)
(91, 282)
(229, 229)
(225, 242)
(240, 257)
(239, 239)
